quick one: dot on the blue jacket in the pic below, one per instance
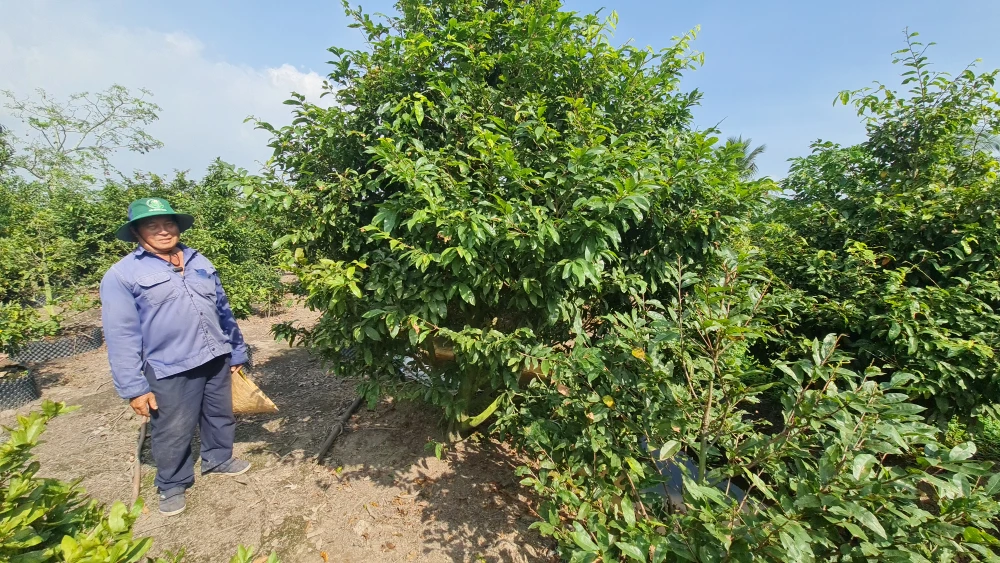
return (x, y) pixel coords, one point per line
(171, 321)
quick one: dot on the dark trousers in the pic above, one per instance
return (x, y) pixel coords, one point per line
(201, 396)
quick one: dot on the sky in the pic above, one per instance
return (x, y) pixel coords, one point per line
(772, 67)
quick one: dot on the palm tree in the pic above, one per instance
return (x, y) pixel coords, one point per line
(748, 164)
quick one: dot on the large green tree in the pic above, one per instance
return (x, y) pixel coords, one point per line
(495, 175)
(500, 186)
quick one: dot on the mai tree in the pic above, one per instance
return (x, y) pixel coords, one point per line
(526, 210)
(663, 441)
(495, 177)
(896, 242)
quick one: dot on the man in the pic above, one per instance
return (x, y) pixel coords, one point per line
(173, 345)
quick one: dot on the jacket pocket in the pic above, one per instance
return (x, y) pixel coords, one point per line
(202, 282)
(156, 288)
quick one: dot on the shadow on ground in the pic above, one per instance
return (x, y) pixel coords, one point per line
(385, 494)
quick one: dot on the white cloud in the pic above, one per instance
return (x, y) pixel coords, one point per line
(286, 76)
(183, 44)
(63, 49)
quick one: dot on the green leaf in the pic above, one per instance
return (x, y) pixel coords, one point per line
(855, 530)
(894, 330)
(866, 519)
(628, 511)
(631, 551)
(862, 466)
(418, 112)
(635, 466)
(582, 539)
(355, 289)
(796, 548)
(138, 550)
(993, 485)
(70, 549)
(466, 294)
(669, 450)
(583, 557)
(962, 452)
(975, 535)
(116, 519)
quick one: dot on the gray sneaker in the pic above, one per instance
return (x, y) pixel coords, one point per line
(230, 468)
(171, 503)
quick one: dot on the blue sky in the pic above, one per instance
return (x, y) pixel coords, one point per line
(772, 70)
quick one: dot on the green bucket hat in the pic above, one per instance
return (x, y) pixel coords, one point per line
(150, 207)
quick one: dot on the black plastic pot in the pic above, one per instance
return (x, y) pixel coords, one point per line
(44, 350)
(17, 387)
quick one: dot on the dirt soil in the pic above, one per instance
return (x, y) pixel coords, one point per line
(379, 496)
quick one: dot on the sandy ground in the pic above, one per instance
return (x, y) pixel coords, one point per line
(379, 496)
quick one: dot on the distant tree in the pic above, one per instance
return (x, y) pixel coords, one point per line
(69, 141)
(6, 149)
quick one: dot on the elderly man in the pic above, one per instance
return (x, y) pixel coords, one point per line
(173, 344)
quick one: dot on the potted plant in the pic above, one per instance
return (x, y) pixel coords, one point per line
(19, 325)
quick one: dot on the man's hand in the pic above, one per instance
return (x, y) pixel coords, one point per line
(234, 369)
(143, 404)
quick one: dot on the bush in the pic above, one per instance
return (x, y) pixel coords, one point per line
(895, 242)
(49, 520)
(848, 472)
(19, 325)
(60, 245)
(496, 176)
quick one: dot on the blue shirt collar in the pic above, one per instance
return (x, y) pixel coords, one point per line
(187, 251)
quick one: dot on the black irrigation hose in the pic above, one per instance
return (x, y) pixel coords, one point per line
(338, 429)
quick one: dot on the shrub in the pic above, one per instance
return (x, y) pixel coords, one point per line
(58, 246)
(496, 176)
(895, 241)
(848, 471)
(19, 325)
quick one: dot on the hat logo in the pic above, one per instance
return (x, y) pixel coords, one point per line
(155, 205)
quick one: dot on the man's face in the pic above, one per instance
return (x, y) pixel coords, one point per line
(161, 233)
